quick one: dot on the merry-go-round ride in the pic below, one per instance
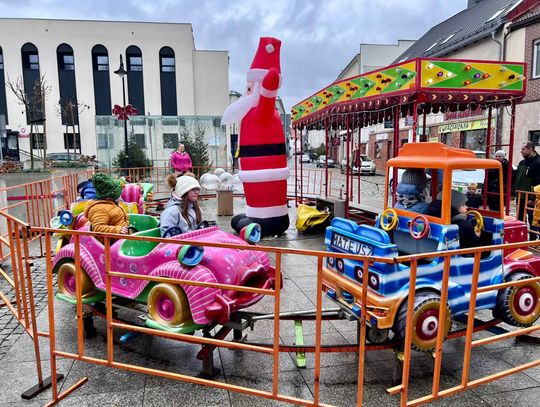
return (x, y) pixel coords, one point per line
(413, 87)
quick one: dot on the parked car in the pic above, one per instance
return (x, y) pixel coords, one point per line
(321, 162)
(305, 158)
(367, 166)
(62, 158)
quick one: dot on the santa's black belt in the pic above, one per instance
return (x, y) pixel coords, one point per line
(260, 150)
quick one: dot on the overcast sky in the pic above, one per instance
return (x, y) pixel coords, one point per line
(319, 37)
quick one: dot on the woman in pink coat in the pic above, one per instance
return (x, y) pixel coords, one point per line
(180, 161)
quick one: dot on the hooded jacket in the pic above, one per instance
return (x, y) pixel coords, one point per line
(106, 216)
(180, 161)
(172, 216)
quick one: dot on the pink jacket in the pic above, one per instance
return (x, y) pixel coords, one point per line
(180, 161)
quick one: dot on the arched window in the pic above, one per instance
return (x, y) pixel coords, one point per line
(102, 83)
(167, 68)
(66, 81)
(3, 104)
(135, 78)
(31, 76)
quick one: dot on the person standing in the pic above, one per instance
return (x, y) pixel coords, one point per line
(494, 183)
(527, 177)
(180, 161)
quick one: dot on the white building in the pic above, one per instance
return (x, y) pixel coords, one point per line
(168, 80)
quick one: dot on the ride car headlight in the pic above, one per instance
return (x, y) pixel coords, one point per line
(330, 261)
(340, 265)
(358, 273)
(374, 281)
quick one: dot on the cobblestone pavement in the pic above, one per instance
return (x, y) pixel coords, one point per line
(114, 387)
(10, 329)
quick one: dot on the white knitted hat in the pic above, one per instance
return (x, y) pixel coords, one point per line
(184, 184)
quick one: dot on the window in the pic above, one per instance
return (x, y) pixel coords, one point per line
(102, 62)
(1, 61)
(536, 59)
(64, 55)
(105, 142)
(135, 64)
(534, 136)
(68, 141)
(167, 64)
(431, 47)
(170, 140)
(140, 140)
(68, 62)
(33, 62)
(38, 141)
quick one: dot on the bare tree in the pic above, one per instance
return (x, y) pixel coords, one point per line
(34, 107)
(70, 110)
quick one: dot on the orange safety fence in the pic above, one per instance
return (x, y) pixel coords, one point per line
(19, 235)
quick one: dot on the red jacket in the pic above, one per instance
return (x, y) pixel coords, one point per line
(180, 161)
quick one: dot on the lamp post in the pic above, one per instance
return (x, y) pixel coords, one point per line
(121, 72)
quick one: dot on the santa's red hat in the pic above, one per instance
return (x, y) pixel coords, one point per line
(267, 57)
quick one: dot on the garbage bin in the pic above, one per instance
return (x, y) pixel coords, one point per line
(225, 203)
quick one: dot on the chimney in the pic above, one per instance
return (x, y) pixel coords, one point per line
(471, 3)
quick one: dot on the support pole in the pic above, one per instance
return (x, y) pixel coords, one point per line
(396, 151)
(414, 125)
(295, 166)
(326, 154)
(510, 158)
(488, 144)
(424, 133)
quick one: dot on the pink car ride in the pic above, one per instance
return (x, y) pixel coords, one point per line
(172, 307)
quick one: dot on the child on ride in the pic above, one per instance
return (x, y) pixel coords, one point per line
(468, 236)
(182, 210)
(411, 191)
(104, 214)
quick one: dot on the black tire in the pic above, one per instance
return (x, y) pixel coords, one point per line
(518, 306)
(425, 316)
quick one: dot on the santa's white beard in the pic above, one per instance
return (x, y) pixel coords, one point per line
(238, 109)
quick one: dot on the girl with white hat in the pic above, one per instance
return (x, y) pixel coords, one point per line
(182, 211)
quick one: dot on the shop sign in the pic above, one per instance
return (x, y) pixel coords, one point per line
(463, 126)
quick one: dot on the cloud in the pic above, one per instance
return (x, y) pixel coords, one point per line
(319, 37)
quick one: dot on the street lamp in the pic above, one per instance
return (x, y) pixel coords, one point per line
(121, 72)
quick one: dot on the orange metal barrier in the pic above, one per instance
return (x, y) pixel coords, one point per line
(20, 234)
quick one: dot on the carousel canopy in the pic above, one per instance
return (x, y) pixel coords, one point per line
(430, 84)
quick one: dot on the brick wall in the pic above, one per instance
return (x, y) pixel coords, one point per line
(532, 33)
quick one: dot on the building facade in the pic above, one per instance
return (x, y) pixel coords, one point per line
(168, 81)
(505, 30)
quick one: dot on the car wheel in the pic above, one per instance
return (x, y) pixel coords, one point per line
(168, 305)
(425, 321)
(518, 306)
(67, 281)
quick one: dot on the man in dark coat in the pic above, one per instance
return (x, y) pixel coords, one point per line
(527, 177)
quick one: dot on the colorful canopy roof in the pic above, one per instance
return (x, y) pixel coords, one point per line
(436, 84)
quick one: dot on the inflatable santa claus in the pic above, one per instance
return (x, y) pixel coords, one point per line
(261, 153)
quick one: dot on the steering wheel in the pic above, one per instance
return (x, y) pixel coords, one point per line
(172, 231)
(132, 229)
(419, 227)
(389, 219)
(203, 225)
(479, 220)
